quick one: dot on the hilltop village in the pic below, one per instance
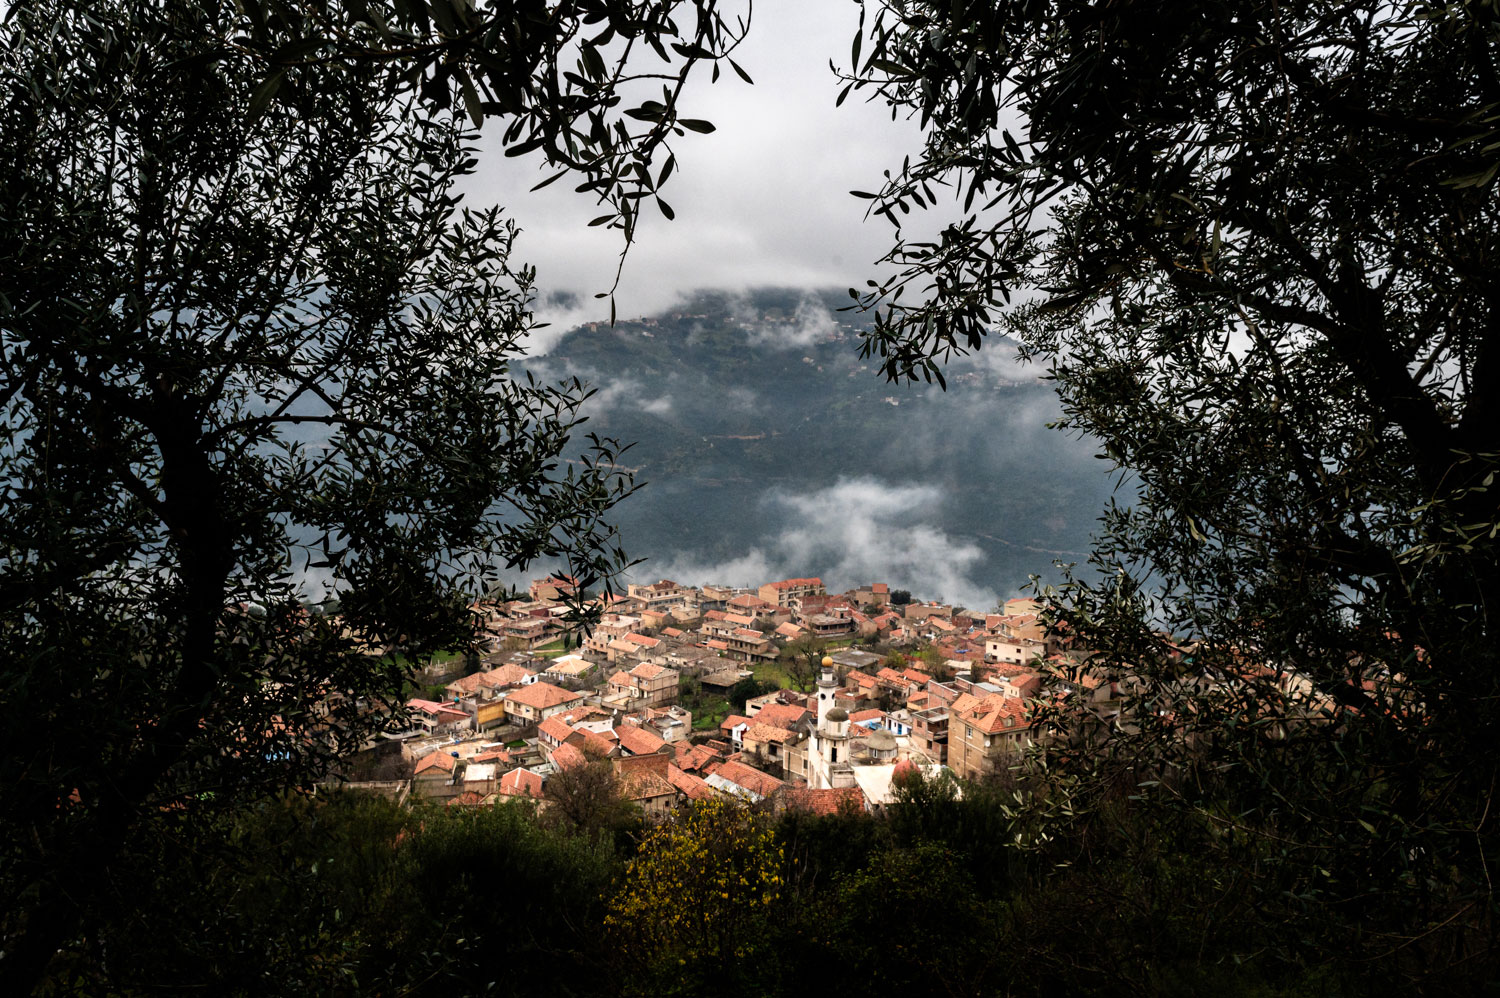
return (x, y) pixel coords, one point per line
(783, 693)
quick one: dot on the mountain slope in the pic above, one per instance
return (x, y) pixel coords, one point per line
(769, 447)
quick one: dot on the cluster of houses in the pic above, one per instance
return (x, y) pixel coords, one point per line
(522, 719)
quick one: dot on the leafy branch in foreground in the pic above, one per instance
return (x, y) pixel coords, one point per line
(595, 86)
(252, 354)
(1257, 246)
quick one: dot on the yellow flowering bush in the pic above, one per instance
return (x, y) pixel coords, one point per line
(699, 887)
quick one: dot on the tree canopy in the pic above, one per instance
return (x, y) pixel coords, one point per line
(1256, 246)
(593, 89)
(254, 355)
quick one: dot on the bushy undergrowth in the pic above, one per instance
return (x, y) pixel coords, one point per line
(350, 895)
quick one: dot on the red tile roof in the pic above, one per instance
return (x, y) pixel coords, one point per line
(689, 785)
(647, 671)
(440, 761)
(993, 714)
(567, 756)
(521, 783)
(781, 715)
(758, 732)
(637, 741)
(555, 728)
(732, 721)
(830, 801)
(694, 757)
(751, 779)
(643, 784)
(597, 744)
(542, 695)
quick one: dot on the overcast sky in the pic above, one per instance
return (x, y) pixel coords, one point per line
(764, 200)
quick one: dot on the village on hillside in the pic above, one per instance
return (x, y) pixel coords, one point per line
(784, 693)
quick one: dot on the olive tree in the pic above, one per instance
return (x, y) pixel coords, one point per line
(1256, 244)
(254, 358)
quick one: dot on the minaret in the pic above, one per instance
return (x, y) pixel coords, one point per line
(826, 686)
(831, 742)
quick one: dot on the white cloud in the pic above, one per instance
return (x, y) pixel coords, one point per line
(855, 531)
(811, 324)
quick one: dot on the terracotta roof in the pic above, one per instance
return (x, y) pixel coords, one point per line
(991, 714)
(441, 761)
(795, 583)
(469, 798)
(555, 728)
(643, 784)
(861, 679)
(648, 671)
(567, 756)
(693, 757)
(732, 721)
(688, 785)
(788, 630)
(1000, 713)
(717, 645)
(829, 801)
(642, 640)
(495, 755)
(873, 714)
(598, 744)
(766, 733)
(468, 684)
(508, 674)
(521, 783)
(964, 702)
(637, 741)
(751, 779)
(542, 695)
(621, 678)
(781, 715)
